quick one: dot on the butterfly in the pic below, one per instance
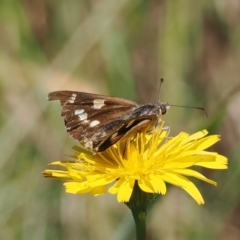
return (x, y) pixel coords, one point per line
(99, 121)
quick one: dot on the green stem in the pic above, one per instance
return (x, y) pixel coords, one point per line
(138, 204)
(139, 216)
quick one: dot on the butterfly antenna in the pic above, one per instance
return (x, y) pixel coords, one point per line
(160, 85)
(199, 108)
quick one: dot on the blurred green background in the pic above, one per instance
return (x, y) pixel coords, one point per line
(120, 48)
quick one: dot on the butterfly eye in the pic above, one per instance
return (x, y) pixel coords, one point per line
(164, 109)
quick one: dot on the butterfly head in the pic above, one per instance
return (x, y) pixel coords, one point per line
(163, 107)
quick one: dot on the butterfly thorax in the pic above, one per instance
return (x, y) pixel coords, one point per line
(157, 108)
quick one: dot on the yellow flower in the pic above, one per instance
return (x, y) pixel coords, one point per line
(150, 160)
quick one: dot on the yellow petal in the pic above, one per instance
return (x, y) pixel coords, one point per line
(145, 185)
(192, 173)
(186, 184)
(76, 188)
(158, 184)
(125, 190)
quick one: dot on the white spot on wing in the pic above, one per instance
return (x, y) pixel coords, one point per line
(114, 135)
(143, 122)
(72, 98)
(130, 123)
(94, 123)
(86, 121)
(82, 116)
(89, 144)
(78, 111)
(98, 103)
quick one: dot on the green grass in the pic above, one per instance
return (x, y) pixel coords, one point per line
(120, 48)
